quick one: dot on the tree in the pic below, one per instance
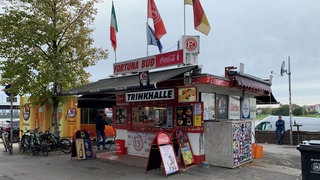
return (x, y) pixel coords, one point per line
(46, 44)
(297, 111)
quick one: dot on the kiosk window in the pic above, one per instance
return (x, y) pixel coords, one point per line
(152, 116)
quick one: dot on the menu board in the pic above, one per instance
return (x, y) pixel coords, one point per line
(184, 146)
(184, 116)
(168, 159)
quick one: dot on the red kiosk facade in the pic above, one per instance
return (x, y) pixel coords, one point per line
(147, 102)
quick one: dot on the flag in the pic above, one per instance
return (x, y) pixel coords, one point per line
(188, 2)
(153, 13)
(113, 28)
(152, 40)
(201, 22)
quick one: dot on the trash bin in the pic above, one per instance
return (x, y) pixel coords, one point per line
(120, 146)
(310, 159)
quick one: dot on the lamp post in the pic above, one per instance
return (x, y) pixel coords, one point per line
(290, 106)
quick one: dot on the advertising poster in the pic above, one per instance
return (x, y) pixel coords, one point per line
(208, 100)
(139, 143)
(222, 106)
(187, 94)
(88, 148)
(245, 108)
(80, 149)
(234, 107)
(185, 148)
(168, 158)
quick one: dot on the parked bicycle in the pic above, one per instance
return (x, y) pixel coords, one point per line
(56, 142)
(38, 143)
(6, 143)
(33, 141)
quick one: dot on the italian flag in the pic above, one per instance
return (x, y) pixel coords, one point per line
(113, 28)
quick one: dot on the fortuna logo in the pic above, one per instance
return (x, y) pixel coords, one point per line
(155, 15)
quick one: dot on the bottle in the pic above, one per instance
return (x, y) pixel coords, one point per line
(81, 151)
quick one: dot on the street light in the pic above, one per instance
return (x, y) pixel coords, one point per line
(283, 70)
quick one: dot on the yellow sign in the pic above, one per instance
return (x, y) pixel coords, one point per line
(197, 120)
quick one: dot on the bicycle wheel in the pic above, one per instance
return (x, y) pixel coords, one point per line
(44, 148)
(65, 145)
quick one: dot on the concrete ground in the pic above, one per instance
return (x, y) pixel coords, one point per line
(279, 162)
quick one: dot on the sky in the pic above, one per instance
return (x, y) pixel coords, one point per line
(258, 33)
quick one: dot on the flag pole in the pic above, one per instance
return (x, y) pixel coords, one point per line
(147, 37)
(115, 56)
(184, 18)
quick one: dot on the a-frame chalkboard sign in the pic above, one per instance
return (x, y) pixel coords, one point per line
(184, 146)
(161, 151)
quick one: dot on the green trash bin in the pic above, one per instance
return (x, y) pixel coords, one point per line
(310, 159)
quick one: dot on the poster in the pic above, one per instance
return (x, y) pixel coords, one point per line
(245, 108)
(187, 94)
(208, 100)
(88, 148)
(139, 143)
(234, 107)
(184, 116)
(185, 148)
(168, 158)
(197, 120)
(80, 149)
(222, 106)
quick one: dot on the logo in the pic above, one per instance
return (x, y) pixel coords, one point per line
(191, 44)
(26, 112)
(315, 167)
(137, 143)
(72, 112)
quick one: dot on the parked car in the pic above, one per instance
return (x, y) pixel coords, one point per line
(15, 127)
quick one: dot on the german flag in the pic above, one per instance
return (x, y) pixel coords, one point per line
(201, 22)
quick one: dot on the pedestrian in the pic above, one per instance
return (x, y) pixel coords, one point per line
(280, 128)
(100, 124)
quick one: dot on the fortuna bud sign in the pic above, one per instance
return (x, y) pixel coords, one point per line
(150, 62)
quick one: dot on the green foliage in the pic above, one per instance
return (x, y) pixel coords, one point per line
(45, 43)
(297, 111)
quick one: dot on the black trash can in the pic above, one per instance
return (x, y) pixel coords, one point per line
(310, 159)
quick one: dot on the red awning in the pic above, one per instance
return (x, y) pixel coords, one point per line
(254, 84)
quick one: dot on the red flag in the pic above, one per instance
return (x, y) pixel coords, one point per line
(113, 28)
(153, 13)
(201, 22)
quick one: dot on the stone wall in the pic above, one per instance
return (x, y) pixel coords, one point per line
(271, 137)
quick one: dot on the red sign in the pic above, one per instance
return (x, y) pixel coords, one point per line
(163, 139)
(150, 62)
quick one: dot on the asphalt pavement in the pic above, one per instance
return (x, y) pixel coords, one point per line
(279, 162)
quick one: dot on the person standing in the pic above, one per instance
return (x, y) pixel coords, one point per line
(100, 124)
(280, 128)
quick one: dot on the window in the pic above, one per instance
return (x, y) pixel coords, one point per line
(152, 116)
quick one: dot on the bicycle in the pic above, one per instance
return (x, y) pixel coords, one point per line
(56, 142)
(5, 139)
(33, 141)
(38, 143)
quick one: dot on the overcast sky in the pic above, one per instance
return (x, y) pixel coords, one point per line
(258, 33)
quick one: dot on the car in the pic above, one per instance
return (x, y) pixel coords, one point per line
(15, 127)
